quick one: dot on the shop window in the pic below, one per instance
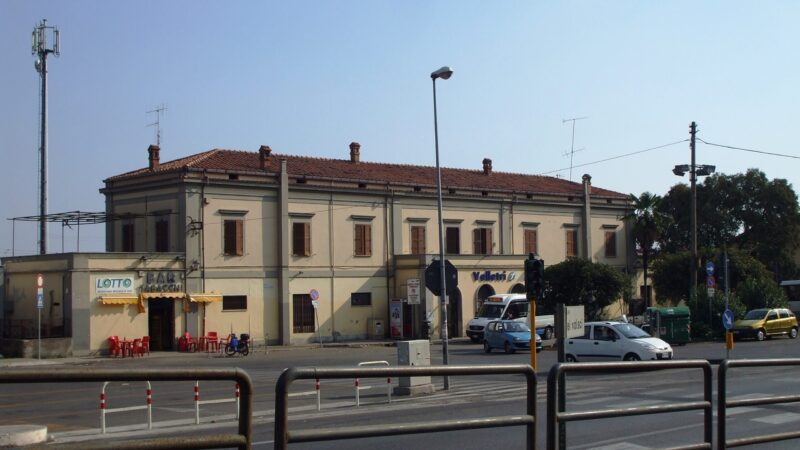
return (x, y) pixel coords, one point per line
(234, 302)
(529, 242)
(128, 237)
(301, 239)
(572, 243)
(363, 239)
(453, 241)
(162, 234)
(302, 314)
(482, 241)
(417, 240)
(361, 299)
(611, 244)
(234, 237)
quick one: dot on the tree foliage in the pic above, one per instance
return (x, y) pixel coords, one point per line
(577, 281)
(747, 211)
(648, 224)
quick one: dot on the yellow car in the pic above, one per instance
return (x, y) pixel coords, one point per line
(766, 322)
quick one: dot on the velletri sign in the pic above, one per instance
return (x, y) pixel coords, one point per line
(114, 284)
(489, 276)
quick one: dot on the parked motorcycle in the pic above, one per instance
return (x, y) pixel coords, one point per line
(238, 345)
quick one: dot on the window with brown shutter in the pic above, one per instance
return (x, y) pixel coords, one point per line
(453, 241)
(482, 241)
(301, 239)
(611, 244)
(529, 242)
(417, 240)
(363, 239)
(234, 237)
(572, 243)
(302, 314)
(162, 234)
(128, 237)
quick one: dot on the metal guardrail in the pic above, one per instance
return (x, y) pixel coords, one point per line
(104, 409)
(241, 440)
(283, 436)
(723, 403)
(359, 387)
(557, 417)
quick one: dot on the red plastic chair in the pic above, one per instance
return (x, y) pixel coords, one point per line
(137, 347)
(190, 344)
(113, 346)
(212, 341)
(145, 348)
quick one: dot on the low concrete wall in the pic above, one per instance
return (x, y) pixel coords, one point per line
(29, 348)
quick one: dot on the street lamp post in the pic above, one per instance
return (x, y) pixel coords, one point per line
(694, 170)
(443, 73)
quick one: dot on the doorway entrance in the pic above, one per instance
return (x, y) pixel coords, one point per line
(454, 314)
(161, 323)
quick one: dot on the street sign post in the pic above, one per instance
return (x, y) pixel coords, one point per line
(315, 303)
(727, 319)
(39, 306)
(413, 291)
(433, 280)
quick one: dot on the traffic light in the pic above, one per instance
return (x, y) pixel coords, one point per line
(534, 276)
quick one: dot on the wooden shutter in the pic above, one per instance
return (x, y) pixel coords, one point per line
(487, 241)
(453, 246)
(476, 241)
(572, 243)
(127, 237)
(363, 240)
(611, 244)
(307, 239)
(301, 239)
(368, 240)
(417, 240)
(162, 235)
(239, 237)
(530, 241)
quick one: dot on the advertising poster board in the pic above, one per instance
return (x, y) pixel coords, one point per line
(396, 318)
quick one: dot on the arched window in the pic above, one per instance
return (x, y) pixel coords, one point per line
(483, 293)
(518, 288)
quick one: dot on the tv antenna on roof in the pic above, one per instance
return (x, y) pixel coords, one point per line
(158, 110)
(572, 147)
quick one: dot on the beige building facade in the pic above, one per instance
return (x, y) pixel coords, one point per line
(294, 249)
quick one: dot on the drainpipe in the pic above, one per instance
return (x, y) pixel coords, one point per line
(284, 238)
(587, 216)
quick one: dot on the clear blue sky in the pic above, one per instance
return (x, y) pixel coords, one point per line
(309, 77)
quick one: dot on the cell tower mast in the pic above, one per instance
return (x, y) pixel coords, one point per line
(40, 49)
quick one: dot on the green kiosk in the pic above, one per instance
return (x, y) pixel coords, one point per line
(672, 324)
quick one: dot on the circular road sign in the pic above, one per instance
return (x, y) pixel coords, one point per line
(314, 294)
(727, 319)
(709, 268)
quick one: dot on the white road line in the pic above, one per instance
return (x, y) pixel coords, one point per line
(777, 419)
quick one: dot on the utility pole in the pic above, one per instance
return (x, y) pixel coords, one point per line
(39, 48)
(572, 146)
(693, 216)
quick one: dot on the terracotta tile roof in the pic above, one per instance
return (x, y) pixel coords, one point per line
(236, 161)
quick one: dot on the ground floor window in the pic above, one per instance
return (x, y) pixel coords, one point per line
(234, 302)
(302, 314)
(361, 299)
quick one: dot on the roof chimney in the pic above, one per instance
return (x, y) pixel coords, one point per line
(355, 152)
(263, 153)
(587, 183)
(487, 166)
(154, 157)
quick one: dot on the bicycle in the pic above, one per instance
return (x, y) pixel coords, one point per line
(238, 345)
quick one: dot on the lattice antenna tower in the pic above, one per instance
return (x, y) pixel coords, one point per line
(158, 110)
(41, 50)
(572, 146)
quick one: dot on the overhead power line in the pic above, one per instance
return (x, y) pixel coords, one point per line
(748, 149)
(617, 157)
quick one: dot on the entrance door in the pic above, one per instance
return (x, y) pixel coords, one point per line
(454, 314)
(161, 323)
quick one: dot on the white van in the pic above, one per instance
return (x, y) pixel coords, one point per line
(507, 306)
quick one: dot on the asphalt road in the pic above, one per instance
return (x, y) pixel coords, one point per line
(71, 411)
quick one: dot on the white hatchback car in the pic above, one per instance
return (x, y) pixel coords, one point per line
(615, 341)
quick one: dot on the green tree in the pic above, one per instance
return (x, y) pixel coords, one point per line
(747, 211)
(578, 281)
(648, 222)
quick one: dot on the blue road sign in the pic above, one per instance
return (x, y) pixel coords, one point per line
(40, 300)
(727, 319)
(709, 268)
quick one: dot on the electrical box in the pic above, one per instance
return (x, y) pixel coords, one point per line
(377, 328)
(414, 353)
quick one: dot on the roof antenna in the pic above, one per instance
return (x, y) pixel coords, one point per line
(572, 147)
(158, 110)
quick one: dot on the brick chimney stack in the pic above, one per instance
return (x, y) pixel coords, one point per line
(154, 157)
(487, 166)
(355, 152)
(263, 154)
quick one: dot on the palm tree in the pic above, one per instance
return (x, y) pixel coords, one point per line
(648, 225)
